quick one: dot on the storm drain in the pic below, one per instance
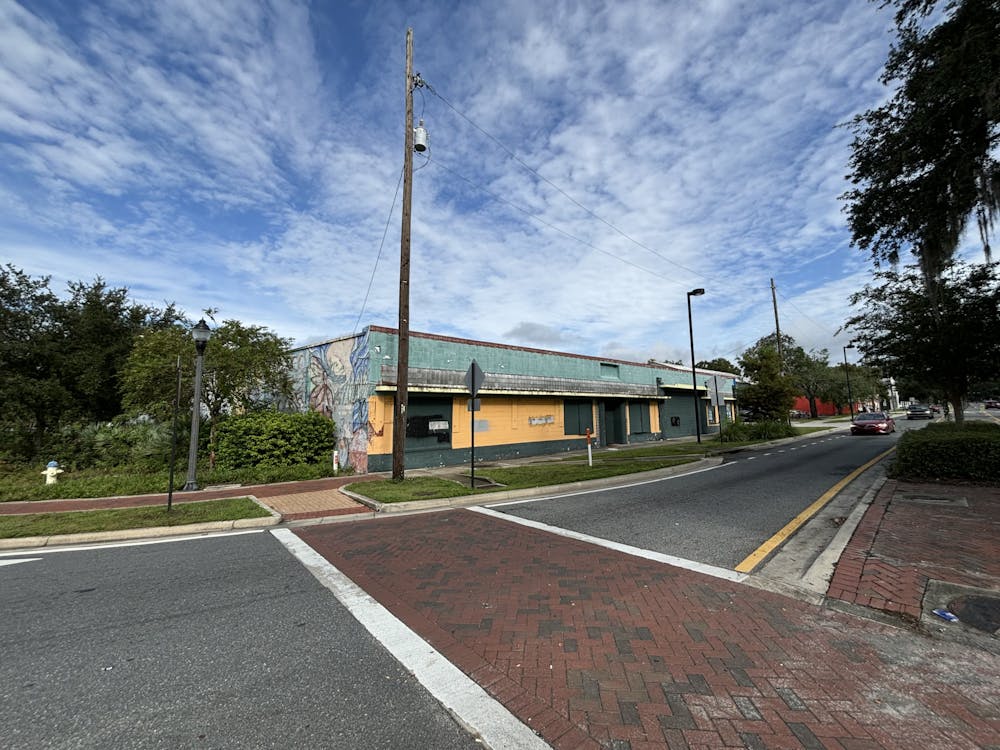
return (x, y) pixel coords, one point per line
(955, 501)
(980, 612)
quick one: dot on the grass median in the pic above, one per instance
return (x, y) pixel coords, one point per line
(539, 474)
(608, 462)
(84, 521)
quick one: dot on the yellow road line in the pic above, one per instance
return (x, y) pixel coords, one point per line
(759, 554)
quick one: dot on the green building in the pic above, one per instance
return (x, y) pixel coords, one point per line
(532, 401)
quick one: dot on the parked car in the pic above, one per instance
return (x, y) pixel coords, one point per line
(935, 408)
(919, 411)
(991, 403)
(873, 423)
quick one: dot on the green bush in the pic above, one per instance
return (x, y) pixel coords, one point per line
(745, 432)
(272, 439)
(736, 432)
(945, 450)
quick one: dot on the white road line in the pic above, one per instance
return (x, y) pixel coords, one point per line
(677, 562)
(136, 543)
(605, 489)
(471, 705)
(23, 559)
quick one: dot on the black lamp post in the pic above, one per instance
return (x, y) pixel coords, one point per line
(847, 372)
(694, 377)
(201, 333)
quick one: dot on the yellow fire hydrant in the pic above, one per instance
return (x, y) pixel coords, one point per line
(52, 472)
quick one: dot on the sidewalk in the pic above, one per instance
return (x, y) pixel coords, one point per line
(314, 498)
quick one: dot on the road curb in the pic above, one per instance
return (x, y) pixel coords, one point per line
(552, 489)
(208, 527)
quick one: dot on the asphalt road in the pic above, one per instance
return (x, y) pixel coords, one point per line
(224, 642)
(719, 516)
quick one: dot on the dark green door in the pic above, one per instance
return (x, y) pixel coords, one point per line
(613, 423)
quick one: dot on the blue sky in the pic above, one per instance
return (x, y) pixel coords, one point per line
(590, 162)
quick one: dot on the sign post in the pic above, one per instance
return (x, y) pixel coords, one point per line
(474, 379)
(712, 385)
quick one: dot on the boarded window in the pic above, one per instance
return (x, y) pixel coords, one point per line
(578, 415)
(638, 418)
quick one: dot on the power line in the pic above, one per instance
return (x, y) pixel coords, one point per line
(378, 257)
(820, 326)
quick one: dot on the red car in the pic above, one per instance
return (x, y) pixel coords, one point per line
(873, 423)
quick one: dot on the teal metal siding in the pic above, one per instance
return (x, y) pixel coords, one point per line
(441, 353)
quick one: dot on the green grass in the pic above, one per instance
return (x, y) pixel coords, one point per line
(412, 488)
(513, 478)
(78, 522)
(28, 484)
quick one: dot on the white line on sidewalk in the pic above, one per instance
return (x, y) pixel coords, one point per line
(467, 701)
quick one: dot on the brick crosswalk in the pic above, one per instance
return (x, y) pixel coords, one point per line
(597, 648)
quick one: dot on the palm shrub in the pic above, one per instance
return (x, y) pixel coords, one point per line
(139, 443)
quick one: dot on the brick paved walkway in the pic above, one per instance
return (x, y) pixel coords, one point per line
(596, 648)
(310, 498)
(899, 545)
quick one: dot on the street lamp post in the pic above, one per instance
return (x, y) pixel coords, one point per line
(694, 376)
(201, 333)
(847, 373)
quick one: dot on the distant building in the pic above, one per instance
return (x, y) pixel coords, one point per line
(533, 401)
(823, 408)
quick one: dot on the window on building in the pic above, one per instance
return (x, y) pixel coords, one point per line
(610, 371)
(638, 417)
(428, 424)
(578, 415)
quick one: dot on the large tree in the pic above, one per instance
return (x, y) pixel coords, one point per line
(768, 391)
(719, 364)
(925, 162)
(99, 326)
(806, 372)
(60, 359)
(245, 368)
(32, 395)
(944, 341)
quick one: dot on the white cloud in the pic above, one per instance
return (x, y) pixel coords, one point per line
(245, 156)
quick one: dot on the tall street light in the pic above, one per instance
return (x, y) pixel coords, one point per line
(847, 372)
(201, 333)
(694, 377)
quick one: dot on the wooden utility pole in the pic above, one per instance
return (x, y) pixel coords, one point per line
(777, 329)
(403, 352)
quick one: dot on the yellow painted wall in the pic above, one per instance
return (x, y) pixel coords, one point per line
(380, 417)
(509, 420)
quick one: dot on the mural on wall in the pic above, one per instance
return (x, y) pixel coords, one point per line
(332, 378)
